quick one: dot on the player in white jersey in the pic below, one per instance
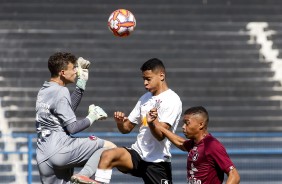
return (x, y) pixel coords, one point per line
(149, 157)
(57, 152)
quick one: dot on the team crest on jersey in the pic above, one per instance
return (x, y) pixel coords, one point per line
(92, 137)
(164, 181)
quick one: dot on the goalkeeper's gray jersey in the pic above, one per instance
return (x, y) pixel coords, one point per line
(53, 113)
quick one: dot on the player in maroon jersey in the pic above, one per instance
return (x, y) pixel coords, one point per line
(207, 158)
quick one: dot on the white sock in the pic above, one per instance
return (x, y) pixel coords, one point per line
(103, 175)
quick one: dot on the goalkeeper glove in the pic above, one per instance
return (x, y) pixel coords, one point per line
(82, 72)
(96, 113)
(83, 63)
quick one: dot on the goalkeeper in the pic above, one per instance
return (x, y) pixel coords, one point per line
(57, 152)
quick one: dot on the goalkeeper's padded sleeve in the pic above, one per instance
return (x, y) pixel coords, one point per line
(78, 126)
(76, 97)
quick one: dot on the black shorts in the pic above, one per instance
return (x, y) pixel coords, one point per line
(150, 172)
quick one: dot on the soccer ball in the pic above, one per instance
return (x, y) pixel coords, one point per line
(121, 22)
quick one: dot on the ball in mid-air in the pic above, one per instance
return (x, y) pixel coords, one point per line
(121, 22)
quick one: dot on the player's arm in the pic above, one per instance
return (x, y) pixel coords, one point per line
(76, 97)
(159, 130)
(123, 124)
(218, 153)
(82, 78)
(233, 177)
(78, 126)
(94, 113)
(155, 126)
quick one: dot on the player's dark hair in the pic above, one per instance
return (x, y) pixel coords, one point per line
(198, 110)
(153, 64)
(59, 61)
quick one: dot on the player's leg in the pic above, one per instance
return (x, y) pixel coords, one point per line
(48, 174)
(75, 154)
(89, 169)
(91, 166)
(117, 157)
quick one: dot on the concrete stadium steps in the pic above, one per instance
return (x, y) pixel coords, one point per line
(100, 63)
(215, 73)
(260, 143)
(227, 2)
(122, 102)
(5, 167)
(7, 178)
(223, 112)
(91, 18)
(204, 45)
(76, 43)
(98, 82)
(163, 53)
(270, 162)
(19, 92)
(85, 7)
(245, 124)
(227, 123)
(20, 125)
(6, 175)
(2, 146)
(195, 92)
(73, 36)
(276, 37)
(264, 168)
(142, 23)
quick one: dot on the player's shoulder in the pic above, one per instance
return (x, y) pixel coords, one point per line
(171, 94)
(146, 95)
(212, 144)
(62, 90)
(52, 87)
(211, 140)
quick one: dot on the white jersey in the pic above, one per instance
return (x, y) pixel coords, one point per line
(169, 111)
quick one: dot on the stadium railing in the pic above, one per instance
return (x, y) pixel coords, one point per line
(236, 143)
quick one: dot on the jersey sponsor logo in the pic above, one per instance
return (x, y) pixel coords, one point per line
(164, 181)
(195, 156)
(144, 121)
(193, 170)
(42, 106)
(92, 137)
(194, 181)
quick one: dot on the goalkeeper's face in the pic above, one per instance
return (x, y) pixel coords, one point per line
(70, 73)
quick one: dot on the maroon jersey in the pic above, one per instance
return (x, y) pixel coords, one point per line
(207, 161)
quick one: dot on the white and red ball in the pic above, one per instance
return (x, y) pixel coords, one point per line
(121, 22)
